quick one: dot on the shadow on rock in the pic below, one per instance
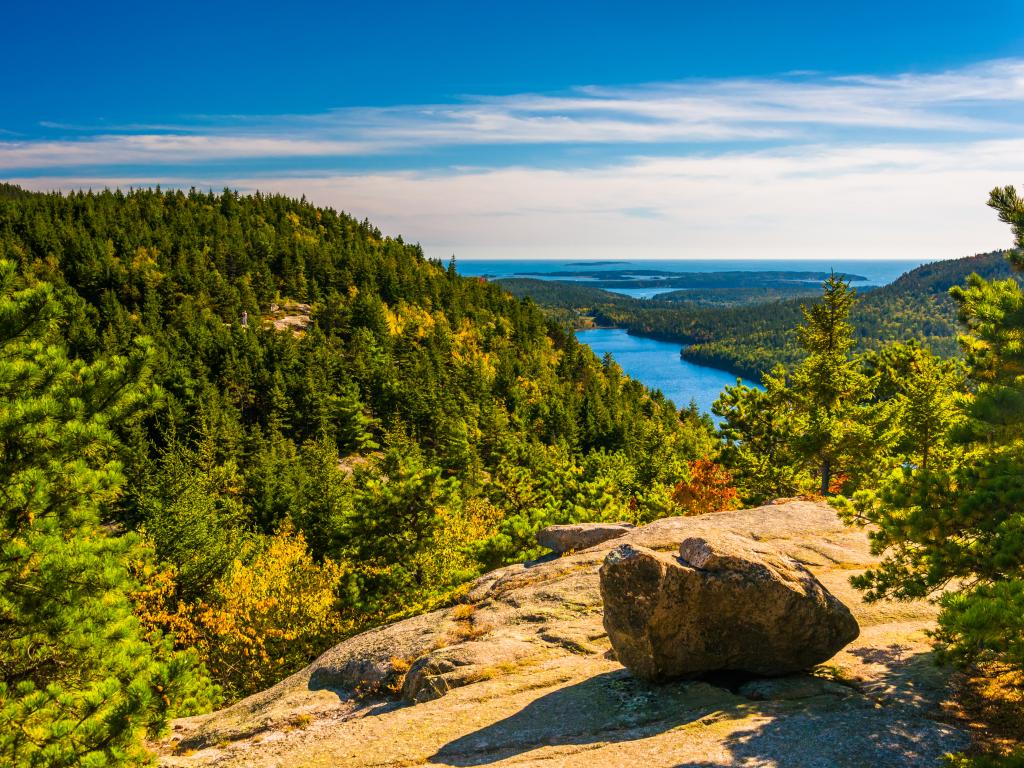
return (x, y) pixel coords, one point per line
(842, 738)
(797, 721)
(891, 721)
(610, 707)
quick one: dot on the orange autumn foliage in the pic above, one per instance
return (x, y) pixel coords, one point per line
(709, 489)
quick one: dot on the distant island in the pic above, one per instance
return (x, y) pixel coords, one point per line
(611, 279)
(594, 263)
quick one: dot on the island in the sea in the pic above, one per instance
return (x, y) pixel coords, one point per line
(612, 279)
(594, 263)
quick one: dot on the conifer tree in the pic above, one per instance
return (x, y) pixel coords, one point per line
(395, 517)
(193, 517)
(81, 683)
(758, 428)
(354, 426)
(829, 384)
(819, 428)
(959, 522)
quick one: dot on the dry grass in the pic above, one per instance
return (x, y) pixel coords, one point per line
(463, 612)
(468, 625)
(300, 720)
(990, 703)
(400, 666)
(468, 630)
(499, 670)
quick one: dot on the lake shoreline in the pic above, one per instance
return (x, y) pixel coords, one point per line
(669, 339)
(659, 365)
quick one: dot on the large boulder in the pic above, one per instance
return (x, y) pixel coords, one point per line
(726, 603)
(574, 537)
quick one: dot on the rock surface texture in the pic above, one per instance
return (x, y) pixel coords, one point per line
(573, 538)
(521, 673)
(725, 603)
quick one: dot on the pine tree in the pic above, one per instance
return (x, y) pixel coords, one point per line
(193, 516)
(830, 385)
(354, 426)
(928, 410)
(958, 524)
(396, 515)
(820, 428)
(758, 428)
(324, 500)
(81, 683)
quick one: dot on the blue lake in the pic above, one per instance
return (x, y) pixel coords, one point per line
(658, 365)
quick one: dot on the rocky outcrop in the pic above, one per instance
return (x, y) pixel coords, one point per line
(522, 673)
(724, 603)
(573, 538)
(439, 671)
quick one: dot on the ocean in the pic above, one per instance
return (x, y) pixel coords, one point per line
(876, 271)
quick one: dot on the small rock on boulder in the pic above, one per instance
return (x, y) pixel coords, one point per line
(722, 605)
(572, 538)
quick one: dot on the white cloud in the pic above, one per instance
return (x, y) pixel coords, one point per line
(164, 149)
(729, 110)
(859, 166)
(872, 201)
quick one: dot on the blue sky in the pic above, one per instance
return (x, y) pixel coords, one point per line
(544, 129)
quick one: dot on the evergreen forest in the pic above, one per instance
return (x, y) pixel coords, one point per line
(236, 429)
(268, 426)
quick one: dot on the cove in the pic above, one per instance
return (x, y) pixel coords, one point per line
(658, 365)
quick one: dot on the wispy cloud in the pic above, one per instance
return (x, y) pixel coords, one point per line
(786, 109)
(165, 149)
(882, 201)
(800, 165)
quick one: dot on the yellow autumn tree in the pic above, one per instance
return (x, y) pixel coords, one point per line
(269, 617)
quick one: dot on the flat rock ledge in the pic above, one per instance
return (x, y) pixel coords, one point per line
(521, 673)
(724, 604)
(574, 537)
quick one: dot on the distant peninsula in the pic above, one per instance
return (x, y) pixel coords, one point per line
(611, 279)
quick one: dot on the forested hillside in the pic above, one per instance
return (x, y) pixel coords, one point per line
(376, 430)
(917, 306)
(561, 293)
(746, 332)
